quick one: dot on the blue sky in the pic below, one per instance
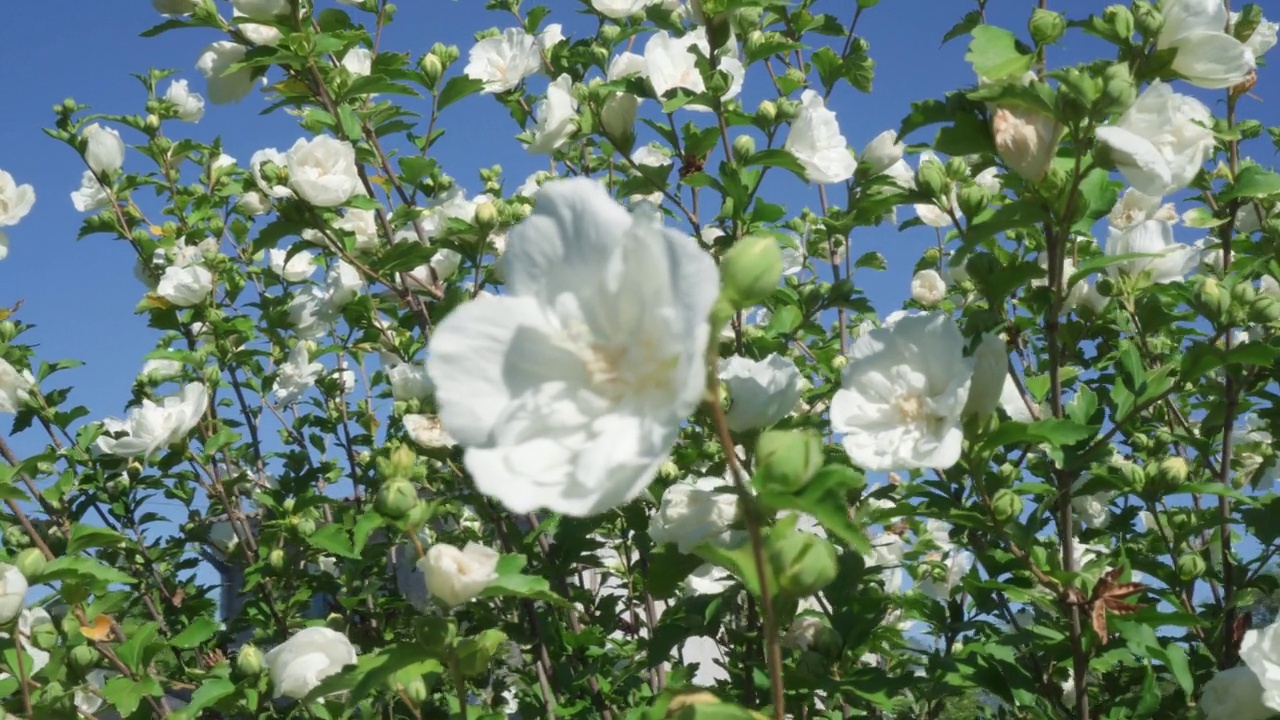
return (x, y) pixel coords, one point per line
(81, 295)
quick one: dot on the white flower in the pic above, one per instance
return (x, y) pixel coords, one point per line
(804, 630)
(550, 36)
(762, 392)
(883, 152)
(88, 697)
(1205, 54)
(409, 381)
(670, 64)
(1094, 510)
(309, 314)
(708, 579)
(276, 158)
(225, 86)
(1263, 37)
(185, 286)
(296, 269)
(1160, 143)
(928, 288)
(455, 576)
(903, 393)
(13, 592)
(148, 427)
(28, 621)
(91, 194)
(261, 9)
(258, 33)
(295, 377)
(323, 170)
(1269, 286)
(1207, 254)
(618, 9)
(1169, 261)
(363, 224)
(1249, 219)
(1135, 207)
(15, 200)
(174, 7)
(618, 115)
(298, 665)
(160, 369)
(1026, 140)
(504, 61)
(253, 203)
(887, 552)
(189, 105)
(694, 511)
(816, 142)
(1013, 403)
(623, 65)
(1260, 651)
(570, 389)
(221, 162)
(990, 371)
(342, 284)
(649, 156)
(1234, 694)
(358, 61)
(554, 116)
(104, 150)
(426, 431)
(938, 583)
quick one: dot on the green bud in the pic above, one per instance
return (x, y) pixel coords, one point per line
(16, 537)
(1106, 287)
(803, 562)
(1046, 26)
(249, 661)
(30, 563)
(744, 146)
(1055, 184)
(839, 362)
(1119, 91)
(973, 199)
(609, 34)
(931, 179)
(1006, 505)
(747, 19)
(432, 70)
(788, 109)
(1170, 473)
(153, 121)
(69, 105)
(475, 654)
(276, 559)
(1120, 20)
(755, 39)
(8, 331)
(1077, 94)
(957, 169)
(416, 689)
(787, 459)
(1265, 310)
(45, 636)
(982, 266)
(1131, 474)
(767, 113)
(486, 217)
(1147, 19)
(396, 498)
(1243, 294)
(1210, 299)
(306, 526)
(751, 270)
(84, 657)
(795, 75)
(1190, 566)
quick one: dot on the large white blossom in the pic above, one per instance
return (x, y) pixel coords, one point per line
(185, 285)
(292, 269)
(670, 64)
(1168, 259)
(1135, 207)
(569, 390)
(1161, 142)
(815, 141)
(150, 426)
(225, 85)
(883, 152)
(295, 376)
(15, 200)
(91, 195)
(618, 9)
(1206, 55)
(455, 575)
(299, 664)
(15, 387)
(553, 117)
(104, 148)
(13, 592)
(502, 62)
(1234, 694)
(761, 392)
(409, 381)
(189, 105)
(323, 170)
(903, 395)
(694, 511)
(1260, 651)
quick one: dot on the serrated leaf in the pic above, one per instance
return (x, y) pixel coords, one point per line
(1253, 181)
(455, 89)
(994, 54)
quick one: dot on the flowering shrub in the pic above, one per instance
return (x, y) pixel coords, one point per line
(626, 438)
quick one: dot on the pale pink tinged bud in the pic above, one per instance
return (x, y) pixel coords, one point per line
(1026, 140)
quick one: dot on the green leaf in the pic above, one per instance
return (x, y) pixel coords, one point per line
(1176, 659)
(969, 135)
(826, 497)
(994, 54)
(138, 649)
(971, 20)
(126, 695)
(668, 568)
(512, 583)
(333, 538)
(82, 568)
(457, 88)
(85, 536)
(210, 692)
(1253, 181)
(193, 635)
(374, 671)
(779, 158)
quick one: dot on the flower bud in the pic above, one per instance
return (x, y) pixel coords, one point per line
(957, 169)
(788, 109)
(1119, 91)
(796, 75)
(1006, 505)
(787, 459)
(1106, 287)
(276, 559)
(744, 146)
(30, 563)
(803, 562)
(1046, 26)
(1147, 19)
(476, 653)
(8, 331)
(982, 266)
(1190, 566)
(84, 657)
(249, 661)
(767, 113)
(1026, 140)
(1131, 474)
(931, 179)
(618, 119)
(486, 219)
(1120, 20)
(1265, 310)
(973, 199)
(1077, 94)
(1243, 294)
(928, 288)
(609, 34)
(751, 270)
(152, 122)
(1210, 299)
(16, 537)
(1172, 472)
(396, 498)
(416, 690)
(305, 526)
(432, 70)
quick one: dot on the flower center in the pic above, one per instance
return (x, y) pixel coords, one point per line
(911, 408)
